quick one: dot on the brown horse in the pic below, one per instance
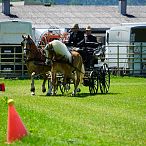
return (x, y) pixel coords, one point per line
(69, 64)
(35, 62)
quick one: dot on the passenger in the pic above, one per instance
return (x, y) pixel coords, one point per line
(91, 43)
(89, 37)
(76, 38)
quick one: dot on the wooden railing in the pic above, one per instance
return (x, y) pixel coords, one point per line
(12, 61)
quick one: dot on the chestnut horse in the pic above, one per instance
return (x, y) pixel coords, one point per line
(70, 64)
(35, 62)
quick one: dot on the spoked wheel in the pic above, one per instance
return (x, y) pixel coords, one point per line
(104, 78)
(93, 83)
(64, 88)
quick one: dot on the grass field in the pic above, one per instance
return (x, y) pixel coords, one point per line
(115, 119)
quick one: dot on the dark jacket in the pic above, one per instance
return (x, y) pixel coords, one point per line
(76, 38)
(90, 38)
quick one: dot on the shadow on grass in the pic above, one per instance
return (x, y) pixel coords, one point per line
(81, 95)
(84, 95)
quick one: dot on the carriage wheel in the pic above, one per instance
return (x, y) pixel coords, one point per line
(93, 83)
(64, 87)
(104, 78)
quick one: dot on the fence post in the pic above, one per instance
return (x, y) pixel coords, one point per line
(118, 63)
(141, 65)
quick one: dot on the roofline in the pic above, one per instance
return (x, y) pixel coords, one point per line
(94, 30)
(13, 20)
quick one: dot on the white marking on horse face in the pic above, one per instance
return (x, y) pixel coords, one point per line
(25, 52)
(24, 44)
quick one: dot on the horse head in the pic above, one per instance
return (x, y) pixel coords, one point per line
(31, 51)
(49, 51)
(27, 45)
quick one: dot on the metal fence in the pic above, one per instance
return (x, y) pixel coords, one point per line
(122, 60)
(127, 60)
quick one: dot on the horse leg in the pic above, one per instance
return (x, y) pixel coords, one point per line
(76, 83)
(50, 87)
(54, 83)
(32, 84)
(66, 83)
(44, 82)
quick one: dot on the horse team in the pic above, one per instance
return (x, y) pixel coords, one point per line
(50, 60)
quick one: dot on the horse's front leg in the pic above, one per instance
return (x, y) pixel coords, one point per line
(66, 83)
(32, 84)
(50, 87)
(44, 82)
(76, 84)
(54, 83)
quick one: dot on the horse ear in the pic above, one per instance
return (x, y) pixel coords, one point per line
(23, 36)
(29, 37)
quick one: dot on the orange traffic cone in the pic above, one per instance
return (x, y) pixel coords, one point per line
(2, 87)
(15, 128)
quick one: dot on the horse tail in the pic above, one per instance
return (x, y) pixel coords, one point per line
(82, 73)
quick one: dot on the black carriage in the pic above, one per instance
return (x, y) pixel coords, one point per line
(97, 73)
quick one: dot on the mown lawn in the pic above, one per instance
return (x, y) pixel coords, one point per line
(115, 119)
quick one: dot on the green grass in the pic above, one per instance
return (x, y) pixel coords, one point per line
(115, 119)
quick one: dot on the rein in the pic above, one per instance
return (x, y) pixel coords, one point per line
(75, 68)
(60, 60)
(53, 59)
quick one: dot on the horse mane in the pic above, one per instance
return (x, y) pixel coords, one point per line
(61, 51)
(37, 54)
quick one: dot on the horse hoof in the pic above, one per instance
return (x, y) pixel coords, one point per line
(32, 93)
(72, 94)
(48, 94)
(78, 90)
(44, 90)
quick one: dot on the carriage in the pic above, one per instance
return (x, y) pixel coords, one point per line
(97, 73)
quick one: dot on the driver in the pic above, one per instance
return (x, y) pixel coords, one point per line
(76, 37)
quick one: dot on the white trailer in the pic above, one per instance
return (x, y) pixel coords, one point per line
(126, 48)
(11, 31)
(11, 53)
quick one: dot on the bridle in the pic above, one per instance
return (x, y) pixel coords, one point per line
(31, 52)
(50, 50)
(27, 43)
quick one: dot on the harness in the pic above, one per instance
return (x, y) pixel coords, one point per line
(63, 61)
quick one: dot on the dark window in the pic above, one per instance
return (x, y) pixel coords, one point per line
(140, 34)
